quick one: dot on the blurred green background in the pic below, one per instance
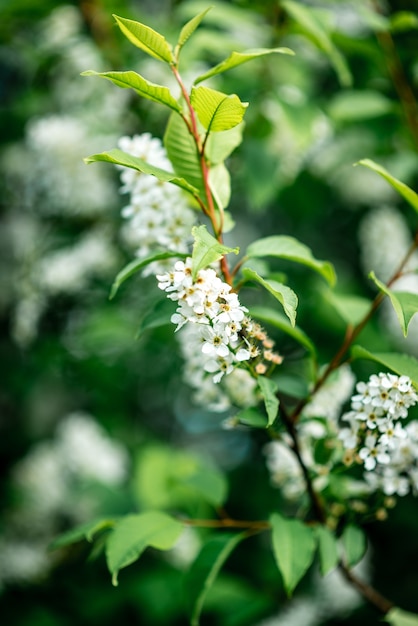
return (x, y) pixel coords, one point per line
(90, 415)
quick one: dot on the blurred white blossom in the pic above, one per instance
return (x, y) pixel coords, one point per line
(49, 483)
(88, 452)
(385, 238)
(59, 182)
(69, 270)
(329, 399)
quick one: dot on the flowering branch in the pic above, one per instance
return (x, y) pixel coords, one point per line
(352, 333)
(209, 209)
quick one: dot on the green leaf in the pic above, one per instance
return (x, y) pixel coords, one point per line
(83, 532)
(206, 249)
(268, 390)
(167, 478)
(328, 549)
(276, 319)
(294, 547)
(398, 617)
(134, 533)
(284, 247)
(205, 569)
(402, 364)
(352, 309)
(402, 21)
(406, 192)
(208, 481)
(188, 30)
(295, 386)
(251, 417)
(220, 145)
(159, 315)
(351, 105)
(286, 296)
(146, 39)
(354, 543)
(134, 266)
(404, 303)
(182, 152)
(238, 58)
(314, 28)
(143, 87)
(118, 157)
(216, 110)
(220, 185)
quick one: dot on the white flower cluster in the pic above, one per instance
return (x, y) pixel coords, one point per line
(376, 437)
(209, 302)
(159, 217)
(227, 335)
(239, 388)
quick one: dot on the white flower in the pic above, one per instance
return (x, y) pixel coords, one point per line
(219, 367)
(390, 433)
(214, 341)
(373, 453)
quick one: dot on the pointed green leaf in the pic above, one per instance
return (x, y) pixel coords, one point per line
(268, 390)
(143, 87)
(146, 38)
(134, 533)
(216, 110)
(294, 547)
(220, 145)
(238, 58)
(402, 364)
(207, 249)
(251, 417)
(406, 192)
(354, 543)
(182, 152)
(328, 549)
(398, 617)
(189, 28)
(314, 28)
(118, 157)
(134, 266)
(284, 247)
(352, 309)
(276, 319)
(84, 531)
(286, 296)
(220, 185)
(204, 570)
(404, 303)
